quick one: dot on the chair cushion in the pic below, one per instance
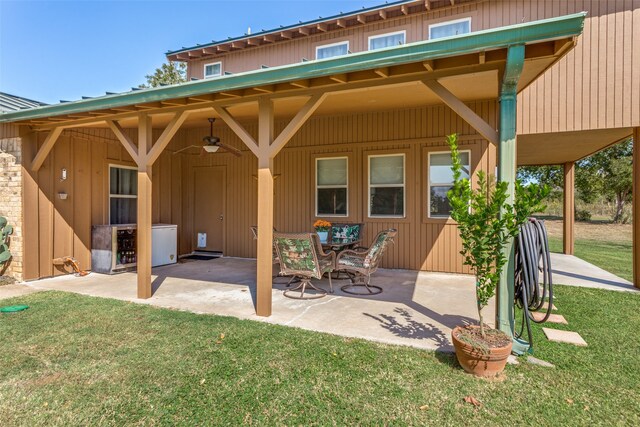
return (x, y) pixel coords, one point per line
(348, 231)
(297, 254)
(351, 261)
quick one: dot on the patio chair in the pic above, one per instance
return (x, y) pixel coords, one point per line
(361, 263)
(301, 255)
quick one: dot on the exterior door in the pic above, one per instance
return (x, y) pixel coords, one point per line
(208, 216)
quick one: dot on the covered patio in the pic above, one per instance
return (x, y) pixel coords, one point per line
(418, 309)
(264, 110)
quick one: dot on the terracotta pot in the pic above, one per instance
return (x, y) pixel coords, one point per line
(475, 361)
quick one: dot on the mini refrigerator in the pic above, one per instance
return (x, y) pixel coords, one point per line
(164, 244)
(114, 247)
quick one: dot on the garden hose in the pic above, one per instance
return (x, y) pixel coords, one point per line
(532, 259)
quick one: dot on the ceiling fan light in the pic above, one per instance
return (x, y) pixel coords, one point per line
(211, 148)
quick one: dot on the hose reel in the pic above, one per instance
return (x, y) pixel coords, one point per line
(533, 278)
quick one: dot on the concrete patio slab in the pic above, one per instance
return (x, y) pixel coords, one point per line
(573, 271)
(416, 308)
(564, 337)
(16, 290)
(553, 318)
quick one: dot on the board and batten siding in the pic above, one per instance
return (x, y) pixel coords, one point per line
(59, 228)
(595, 86)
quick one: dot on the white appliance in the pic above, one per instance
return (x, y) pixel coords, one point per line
(164, 244)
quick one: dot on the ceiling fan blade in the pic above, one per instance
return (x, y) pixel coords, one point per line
(231, 150)
(186, 148)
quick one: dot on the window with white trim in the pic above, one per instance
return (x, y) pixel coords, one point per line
(387, 185)
(123, 195)
(332, 180)
(387, 40)
(331, 50)
(440, 180)
(213, 70)
(450, 28)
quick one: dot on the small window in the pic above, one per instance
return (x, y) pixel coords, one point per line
(450, 28)
(213, 70)
(123, 195)
(387, 40)
(441, 181)
(386, 186)
(332, 178)
(331, 50)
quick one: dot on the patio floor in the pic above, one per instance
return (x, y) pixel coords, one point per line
(416, 308)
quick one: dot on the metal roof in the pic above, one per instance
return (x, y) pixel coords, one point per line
(290, 27)
(479, 41)
(14, 103)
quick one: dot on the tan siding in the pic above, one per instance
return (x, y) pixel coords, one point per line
(595, 86)
(62, 227)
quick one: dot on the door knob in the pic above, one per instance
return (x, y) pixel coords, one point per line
(221, 217)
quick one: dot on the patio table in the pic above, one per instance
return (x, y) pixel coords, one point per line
(339, 245)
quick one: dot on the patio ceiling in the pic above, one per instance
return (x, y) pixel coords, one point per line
(384, 78)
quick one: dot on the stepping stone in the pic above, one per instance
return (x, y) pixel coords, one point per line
(540, 362)
(553, 318)
(545, 305)
(512, 360)
(568, 337)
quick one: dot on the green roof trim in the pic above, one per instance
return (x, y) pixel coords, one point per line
(497, 38)
(291, 27)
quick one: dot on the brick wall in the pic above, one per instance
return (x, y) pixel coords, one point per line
(11, 198)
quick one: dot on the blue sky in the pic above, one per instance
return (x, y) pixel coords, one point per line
(53, 50)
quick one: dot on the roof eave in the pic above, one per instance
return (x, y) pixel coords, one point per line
(537, 31)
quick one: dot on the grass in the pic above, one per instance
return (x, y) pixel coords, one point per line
(609, 246)
(77, 360)
(615, 257)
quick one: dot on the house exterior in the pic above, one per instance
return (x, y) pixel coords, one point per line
(343, 118)
(11, 177)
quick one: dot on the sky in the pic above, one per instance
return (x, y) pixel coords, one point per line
(62, 50)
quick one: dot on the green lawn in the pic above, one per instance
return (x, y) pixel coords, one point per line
(613, 256)
(76, 360)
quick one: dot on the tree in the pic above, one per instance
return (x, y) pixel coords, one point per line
(606, 174)
(610, 172)
(168, 74)
(486, 222)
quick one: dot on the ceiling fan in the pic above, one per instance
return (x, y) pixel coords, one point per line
(212, 143)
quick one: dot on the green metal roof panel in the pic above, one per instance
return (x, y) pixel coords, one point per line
(291, 27)
(548, 29)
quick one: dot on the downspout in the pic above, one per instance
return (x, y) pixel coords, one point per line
(507, 151)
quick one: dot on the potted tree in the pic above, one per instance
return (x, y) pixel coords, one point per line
(486, 222)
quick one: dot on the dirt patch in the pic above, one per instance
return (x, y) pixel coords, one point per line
(593, 231)
(493, 339)
(7, 280)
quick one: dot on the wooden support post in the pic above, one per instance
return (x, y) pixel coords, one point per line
(265, 149)
(46, 148)
(461, 109)
(144, 209)
(636, 207)
(568, 217)
(265, 209)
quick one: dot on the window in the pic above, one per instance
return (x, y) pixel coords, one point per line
(386, 186)
(213, 70)
(387, 40)
(331, 186)
(450, 28)
(123, 195)
(331, 50)
(441, 181)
